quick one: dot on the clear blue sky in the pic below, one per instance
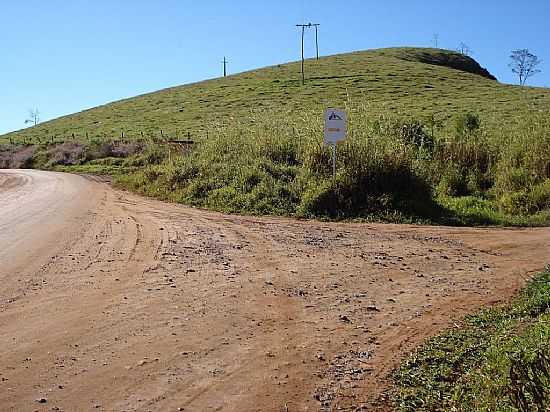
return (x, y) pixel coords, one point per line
(65, 56)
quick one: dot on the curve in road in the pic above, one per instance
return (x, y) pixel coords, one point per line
(111, 301)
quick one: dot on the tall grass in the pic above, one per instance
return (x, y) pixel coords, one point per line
(390, 167)
(461, 170)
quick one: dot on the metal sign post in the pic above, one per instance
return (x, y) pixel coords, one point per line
(334, 162)
(335, 131)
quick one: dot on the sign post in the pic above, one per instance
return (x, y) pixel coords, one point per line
(335, 131)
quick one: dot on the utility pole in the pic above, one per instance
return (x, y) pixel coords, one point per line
(316, 25)
(303, 26)
(436, 40)
(225, 66)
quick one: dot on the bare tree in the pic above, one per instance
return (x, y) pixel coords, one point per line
(34, 117)
(524, 64)
(464, 49)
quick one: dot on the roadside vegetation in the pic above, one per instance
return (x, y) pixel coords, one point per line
(496, 360)
(432, 138)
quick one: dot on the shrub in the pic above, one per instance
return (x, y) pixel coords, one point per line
(16, 156)
(414, 133)
(370, 181)
(124, 150)
(150, 155)
(65, 154)
(467, 124)
(452, 182)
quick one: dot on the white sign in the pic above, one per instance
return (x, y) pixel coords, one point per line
(335, 125)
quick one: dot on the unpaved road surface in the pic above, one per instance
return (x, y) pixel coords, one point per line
(113, 302)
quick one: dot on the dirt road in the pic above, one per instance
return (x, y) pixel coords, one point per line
(113, 302)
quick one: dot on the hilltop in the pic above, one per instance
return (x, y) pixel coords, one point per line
(433, 137)
(407, 81)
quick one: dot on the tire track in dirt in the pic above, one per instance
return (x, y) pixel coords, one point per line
(130, 304)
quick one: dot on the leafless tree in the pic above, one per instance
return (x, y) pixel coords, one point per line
(464, 49)
(524, 64)
(34, 117)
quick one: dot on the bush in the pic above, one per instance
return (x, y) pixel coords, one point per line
(66, 154)
(530, 199)
(467, 124)
(16, 157)
(370, 181)
(414, 133)
(151, 155)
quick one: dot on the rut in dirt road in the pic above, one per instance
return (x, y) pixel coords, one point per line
(113, 302)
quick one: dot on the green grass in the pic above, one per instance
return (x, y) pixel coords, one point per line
(497, 360)
(477, 211)
(396, 81)
(432, 138)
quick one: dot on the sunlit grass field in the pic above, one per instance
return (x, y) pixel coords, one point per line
(402, 82)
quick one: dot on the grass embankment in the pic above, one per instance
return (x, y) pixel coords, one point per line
(388, 169)
(433, 138)
(497, 360)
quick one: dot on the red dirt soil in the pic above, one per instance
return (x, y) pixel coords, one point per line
(113, 302)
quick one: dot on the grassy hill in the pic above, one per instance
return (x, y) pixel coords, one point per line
(401, 81)
(433, 136)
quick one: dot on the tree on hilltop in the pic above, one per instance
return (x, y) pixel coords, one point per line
(34, 117)
(524, 64)
(464, 49)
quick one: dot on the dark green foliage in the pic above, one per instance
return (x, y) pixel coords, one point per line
(414, 133)
(464, 167)
(369, 183)
(467, 124)
(445, 58)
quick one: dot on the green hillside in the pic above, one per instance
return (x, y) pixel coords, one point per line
(432, 136)
(400, 81)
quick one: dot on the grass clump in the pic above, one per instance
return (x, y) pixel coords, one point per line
(498, 360)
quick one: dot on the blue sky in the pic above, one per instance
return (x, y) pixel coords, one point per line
(66, 56)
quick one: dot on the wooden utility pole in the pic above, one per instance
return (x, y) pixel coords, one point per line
(225, 66)
(303, 26)
(316, 25)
